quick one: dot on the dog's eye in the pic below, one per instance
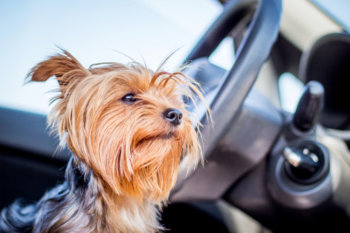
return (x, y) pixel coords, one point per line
(129, 98)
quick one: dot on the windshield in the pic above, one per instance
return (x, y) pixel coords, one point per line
(93, 31)
(338, 10)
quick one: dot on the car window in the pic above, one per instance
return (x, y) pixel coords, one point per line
(338, 10)
(93, 31)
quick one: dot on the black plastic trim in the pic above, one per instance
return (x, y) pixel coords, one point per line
(28, 131)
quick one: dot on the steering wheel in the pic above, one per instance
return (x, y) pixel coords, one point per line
(231, 90)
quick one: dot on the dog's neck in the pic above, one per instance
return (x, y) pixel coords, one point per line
(107, 211)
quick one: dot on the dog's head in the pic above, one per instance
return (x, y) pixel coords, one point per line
(127, 123)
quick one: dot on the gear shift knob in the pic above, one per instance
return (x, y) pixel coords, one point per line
(306, 161)
(309, 106)
(302, 159)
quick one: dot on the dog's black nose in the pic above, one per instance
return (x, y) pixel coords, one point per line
(173, 115)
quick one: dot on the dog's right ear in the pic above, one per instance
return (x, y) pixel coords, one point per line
(63, 66)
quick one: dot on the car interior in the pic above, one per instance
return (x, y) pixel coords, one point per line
(266, 169)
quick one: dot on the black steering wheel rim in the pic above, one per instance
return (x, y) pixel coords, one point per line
(250, 56)
(255, 48)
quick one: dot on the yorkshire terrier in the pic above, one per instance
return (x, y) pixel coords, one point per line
(128, 128)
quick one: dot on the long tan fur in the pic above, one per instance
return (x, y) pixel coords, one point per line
(132, 151)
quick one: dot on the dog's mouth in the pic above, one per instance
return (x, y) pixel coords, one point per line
(166, 136)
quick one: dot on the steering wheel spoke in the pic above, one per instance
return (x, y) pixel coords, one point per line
(226, 99)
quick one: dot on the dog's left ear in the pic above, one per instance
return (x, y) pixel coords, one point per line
(63, 66)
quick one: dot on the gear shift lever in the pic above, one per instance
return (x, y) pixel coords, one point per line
(306, 160)
(309, 106)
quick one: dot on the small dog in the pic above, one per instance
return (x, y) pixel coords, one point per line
(128, 129)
